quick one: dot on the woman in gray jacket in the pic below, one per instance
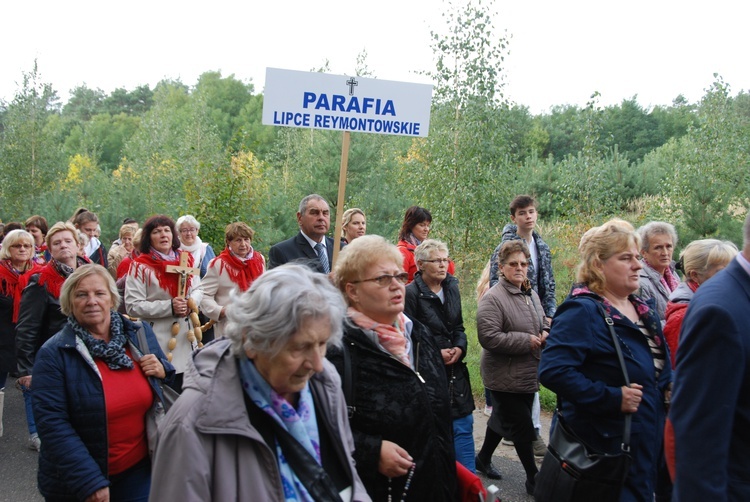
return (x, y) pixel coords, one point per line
(512, 328)
(262, 415)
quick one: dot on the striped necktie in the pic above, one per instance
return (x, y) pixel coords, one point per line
(323, 257)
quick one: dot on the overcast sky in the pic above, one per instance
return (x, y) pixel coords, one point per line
(560, 52)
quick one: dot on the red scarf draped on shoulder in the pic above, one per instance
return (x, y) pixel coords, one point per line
(12, 282)
(167, 281)
(242, 273)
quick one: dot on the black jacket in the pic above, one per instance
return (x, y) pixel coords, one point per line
(297, 249)
(408, 407)
(445, 321)
(39, 318)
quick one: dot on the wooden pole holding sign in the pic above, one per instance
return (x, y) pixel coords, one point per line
(342, 196)
(329, 102)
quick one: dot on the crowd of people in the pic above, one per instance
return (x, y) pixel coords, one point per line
(302, 378)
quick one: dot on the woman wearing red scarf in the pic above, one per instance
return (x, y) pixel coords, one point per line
(16, 266)
(235, 268)
(151, 292)
(39, 315)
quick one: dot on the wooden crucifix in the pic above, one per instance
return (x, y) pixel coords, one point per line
(184, 271)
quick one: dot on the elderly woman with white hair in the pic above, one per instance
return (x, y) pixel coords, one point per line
(187, 231)
(433, 298)
(658, 277)
(262, 415)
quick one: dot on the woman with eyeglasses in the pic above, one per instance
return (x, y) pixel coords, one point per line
(512, 329)
(394, 380)
(16, 267)
(187, 231)
(434, 300)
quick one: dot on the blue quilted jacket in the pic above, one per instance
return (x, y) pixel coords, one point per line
(70, 413)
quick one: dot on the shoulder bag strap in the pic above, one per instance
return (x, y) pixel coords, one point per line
(618, 349)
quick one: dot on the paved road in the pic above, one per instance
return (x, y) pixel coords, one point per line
(512, 486)
(18, 464)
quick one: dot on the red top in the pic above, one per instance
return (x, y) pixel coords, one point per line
(127, 397)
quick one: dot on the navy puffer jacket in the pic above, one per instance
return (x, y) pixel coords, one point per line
(70, 413)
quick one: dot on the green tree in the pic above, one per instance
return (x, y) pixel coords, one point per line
(461, 170)
(135, 102)
(30, 158)
(710, 182)
(224, 99)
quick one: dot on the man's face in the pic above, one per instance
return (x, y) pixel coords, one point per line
(525, 218)
(316, 221)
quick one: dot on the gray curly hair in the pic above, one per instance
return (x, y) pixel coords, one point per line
(279, 302)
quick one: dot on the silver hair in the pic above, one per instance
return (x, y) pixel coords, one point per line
(656, 228)
(12, 239)
(71, 283)
(189, 219)
(276, 306)
(312, 196)
(424, 250)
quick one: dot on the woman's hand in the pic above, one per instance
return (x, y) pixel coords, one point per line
(631, 398)
(394, 460)
(25, 381)
(451, 356)
(536, 342)
(179, 307)
(151, 366)
(100, 495)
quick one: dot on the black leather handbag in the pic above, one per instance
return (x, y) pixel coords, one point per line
(574, 471)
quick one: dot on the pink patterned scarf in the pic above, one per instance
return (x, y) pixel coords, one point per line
(391, 338)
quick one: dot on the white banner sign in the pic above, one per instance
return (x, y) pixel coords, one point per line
(341, 103)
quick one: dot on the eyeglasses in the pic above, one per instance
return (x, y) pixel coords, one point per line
(437, 260)
(188, 230)
(385, 280)
(514, 264)
(25, 246)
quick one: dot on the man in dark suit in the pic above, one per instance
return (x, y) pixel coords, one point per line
(711, 404)
(310, 246)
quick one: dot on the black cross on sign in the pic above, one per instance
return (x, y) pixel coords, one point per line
(351, 83)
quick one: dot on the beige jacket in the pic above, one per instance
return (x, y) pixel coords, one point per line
(506, 318)
(209, 451)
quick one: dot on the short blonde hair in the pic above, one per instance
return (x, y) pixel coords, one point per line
(361, 254)
(71, 283)
(706, 254)
(127, 230)
(60, 226)
(13, 238)
(599, 244)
